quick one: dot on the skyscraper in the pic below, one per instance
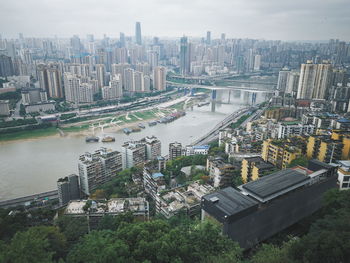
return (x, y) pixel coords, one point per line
(138, 37)
(122, 39)
(323, 80)
(159, 78)
(184, 57)
(208, 41)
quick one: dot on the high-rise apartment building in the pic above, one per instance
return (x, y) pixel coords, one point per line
(100, 74)
(153, 147)
(54, 86)
(114, 90)
(314, 81)
(283, 79)
(68, 189)
(139, 82)
(6, 66)
(129, 80)
(134, 153)
(175, 150)
(98, 168)
(159, 78)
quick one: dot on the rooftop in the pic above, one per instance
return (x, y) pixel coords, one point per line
(273, 185)
(229, 204)
(157, 175)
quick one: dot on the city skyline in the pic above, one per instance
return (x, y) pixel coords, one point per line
(309, 21)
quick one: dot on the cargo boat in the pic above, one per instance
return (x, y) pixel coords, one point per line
(108, 139)
(92, 139)
(141, 125)
(135, 129)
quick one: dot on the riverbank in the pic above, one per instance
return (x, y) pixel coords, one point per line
(112, 123)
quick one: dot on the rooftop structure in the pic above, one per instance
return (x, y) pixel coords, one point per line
(260, 209)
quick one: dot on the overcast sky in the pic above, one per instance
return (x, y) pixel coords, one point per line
(268, 19)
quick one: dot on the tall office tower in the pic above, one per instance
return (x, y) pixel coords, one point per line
(129, 80)
(122, 39)
(68, 189)
(292, 83)
(134, 153)
(257, 62)
(147, 83)
(138, 37)
(208, 40)
(307, 80)
(98, 168)
(323, 80)
(223, 37)
(282, 79)
(6, 66)
(75, 45)
(100, 74)
(71, 87)
(41, 73)
(159, 78)
(139, 82)
(114, 90)
(175, 150)
(184, 57)
(54, 87)
(153, 59)
(153, 147)
(85, 93)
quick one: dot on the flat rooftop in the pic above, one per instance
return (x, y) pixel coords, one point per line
(228, 204)
(270, 186)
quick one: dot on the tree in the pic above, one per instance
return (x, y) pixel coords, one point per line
(302, 161)
(72, 227)
(113, 222)
(99, 246)
(37, 244)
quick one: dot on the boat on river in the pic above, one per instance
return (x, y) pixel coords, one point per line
(108, 139)
(92, 139)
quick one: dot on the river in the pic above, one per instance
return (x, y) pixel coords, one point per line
(34, 165)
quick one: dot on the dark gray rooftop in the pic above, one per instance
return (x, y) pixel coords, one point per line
(274, 183)
(229, 202)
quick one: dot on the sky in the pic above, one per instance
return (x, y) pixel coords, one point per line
(259, 19)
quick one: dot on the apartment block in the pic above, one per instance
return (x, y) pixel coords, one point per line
(253, 168)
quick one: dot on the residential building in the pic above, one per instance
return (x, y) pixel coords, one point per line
(283, 79)
(264, 207)
(253, 168)
(6, 66)
(183, 199)
(159, 78)
(196, 149)
(54, 87)
(293, 128)
(220, 172)
(344, 175)
(129, 80)
(175, 150)
(138, 206)
(4, 107)
(68, 189)
(282, 152)
(153, 147)
(98, 168)
(153, 181)
(100, 75)
(114, 90)
(139, 82)
(329, 148)
(40, 106)
(134, 153)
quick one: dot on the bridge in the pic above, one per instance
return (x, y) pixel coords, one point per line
(195, 86)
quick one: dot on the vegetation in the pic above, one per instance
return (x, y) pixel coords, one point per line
(35, 238)
(302, 161)
(18, 122)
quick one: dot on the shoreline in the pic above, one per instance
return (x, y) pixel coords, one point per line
(84, 129)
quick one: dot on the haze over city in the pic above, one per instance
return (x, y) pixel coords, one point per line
(272, 19)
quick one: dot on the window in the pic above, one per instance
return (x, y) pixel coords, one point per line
(346, 179)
